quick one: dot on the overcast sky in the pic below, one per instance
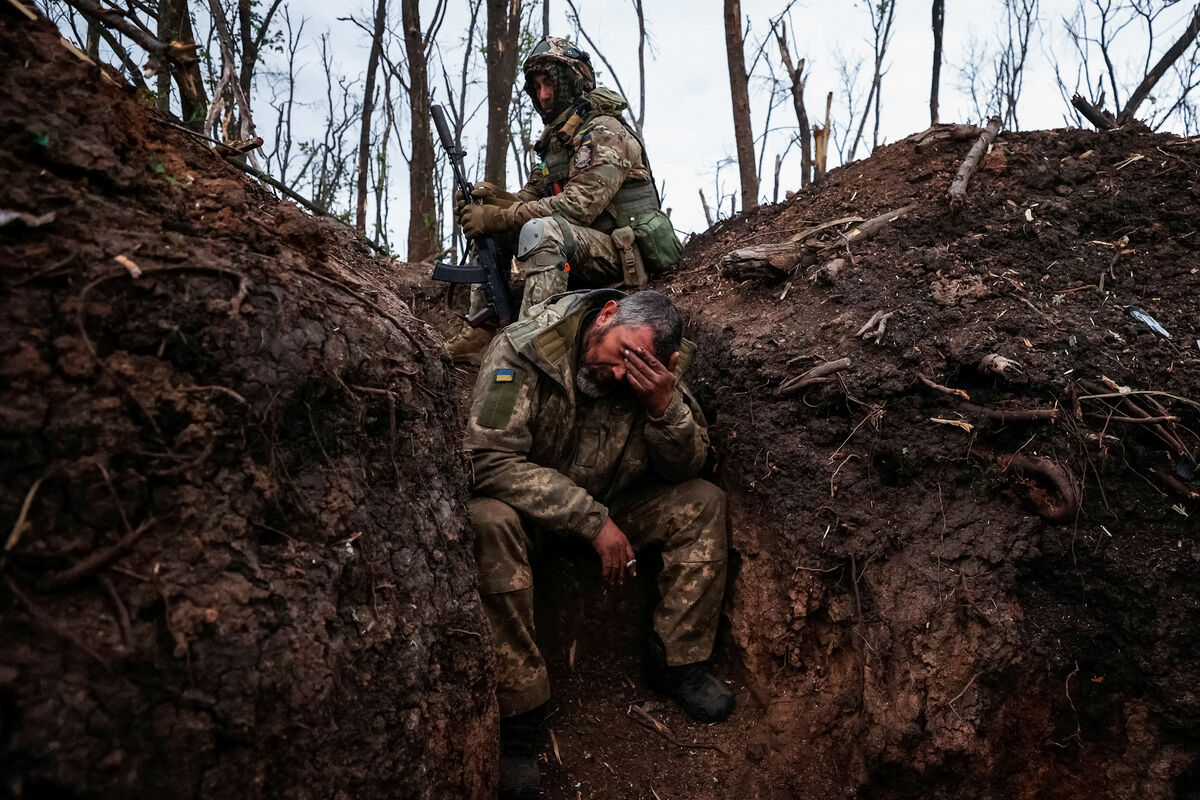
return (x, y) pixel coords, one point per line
(688, 125)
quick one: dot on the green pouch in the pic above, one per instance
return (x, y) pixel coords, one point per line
(656, 241)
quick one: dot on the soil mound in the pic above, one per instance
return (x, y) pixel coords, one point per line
(958, 579)
(236, 561)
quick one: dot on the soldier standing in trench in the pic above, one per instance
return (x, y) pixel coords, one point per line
(579, 426)
(590, 210)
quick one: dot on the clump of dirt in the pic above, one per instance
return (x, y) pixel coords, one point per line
(236, 561)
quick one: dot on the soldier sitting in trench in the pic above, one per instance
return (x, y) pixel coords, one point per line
(590, 210)
(579, 426)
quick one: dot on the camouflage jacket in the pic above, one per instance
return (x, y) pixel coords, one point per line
(578, 179)
(555, 455)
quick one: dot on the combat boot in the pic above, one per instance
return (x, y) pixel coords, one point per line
(700, 693)
(468, 346)
(520, 740)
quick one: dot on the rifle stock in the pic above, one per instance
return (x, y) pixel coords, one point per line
(487, 273)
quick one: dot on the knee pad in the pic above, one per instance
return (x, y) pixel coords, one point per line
(534, 233)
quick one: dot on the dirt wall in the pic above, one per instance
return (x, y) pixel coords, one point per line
(238, 562)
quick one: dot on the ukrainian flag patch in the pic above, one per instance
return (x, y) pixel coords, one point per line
(504, 376)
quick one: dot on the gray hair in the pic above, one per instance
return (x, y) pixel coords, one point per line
(655, 310)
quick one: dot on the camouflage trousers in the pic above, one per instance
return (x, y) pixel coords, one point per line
(593, 263)
(687, 519)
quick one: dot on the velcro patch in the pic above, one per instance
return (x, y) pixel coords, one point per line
(501, 399)
(583, 157)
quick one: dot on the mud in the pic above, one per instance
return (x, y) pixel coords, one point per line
(238, 563)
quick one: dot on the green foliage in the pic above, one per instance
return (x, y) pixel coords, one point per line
(157, 168)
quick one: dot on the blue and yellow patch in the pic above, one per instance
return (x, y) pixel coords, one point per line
(504, 376)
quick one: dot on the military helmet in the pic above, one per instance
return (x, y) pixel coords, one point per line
(569, 67)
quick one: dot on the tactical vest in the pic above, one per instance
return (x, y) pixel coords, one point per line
(635, 197)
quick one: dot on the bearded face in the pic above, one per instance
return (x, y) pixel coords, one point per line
(595, 380)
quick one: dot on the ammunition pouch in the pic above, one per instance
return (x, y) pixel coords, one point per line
(635, 206)
(631, 258)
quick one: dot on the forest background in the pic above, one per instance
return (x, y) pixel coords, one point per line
(733, 101)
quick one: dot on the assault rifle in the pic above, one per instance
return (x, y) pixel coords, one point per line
(488, 272)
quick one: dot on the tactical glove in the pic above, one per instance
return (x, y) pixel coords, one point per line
(488, 194)
(492, 195)
(480, 220)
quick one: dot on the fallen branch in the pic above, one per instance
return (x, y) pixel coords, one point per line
(958, 189)
(1174, 484)
(818, 374)
(1103, 120)
(941, 133)
(1013, 415)
(871, 227)
(944, 389)
(267, 179)
(1174, 444)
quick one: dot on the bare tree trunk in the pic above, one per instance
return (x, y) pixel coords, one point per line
(740, 93)
(503, 36)
(1160, 68)
(422, 227)
(176, 25)
(796, 74)
(939, 19)
(707, 211)
(364, 138)
(821, 143)
(252, 40)
(92, 47)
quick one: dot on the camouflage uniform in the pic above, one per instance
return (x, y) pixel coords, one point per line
(587, 178)
(549, 460)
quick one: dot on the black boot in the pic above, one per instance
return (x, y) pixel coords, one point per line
(520, 741)
(697, 690)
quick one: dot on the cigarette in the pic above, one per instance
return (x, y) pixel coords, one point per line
(630, 563)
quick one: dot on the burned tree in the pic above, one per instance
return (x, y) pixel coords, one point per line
(1093, 32)
(503, 35)
(364, 139)
(423, 239)
(740, 97)
(939, 21)
(795, 71)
